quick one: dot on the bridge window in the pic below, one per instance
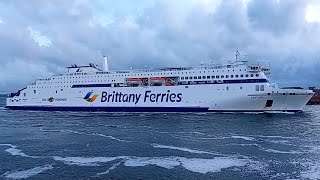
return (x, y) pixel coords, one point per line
(261, 87)
(257, 88)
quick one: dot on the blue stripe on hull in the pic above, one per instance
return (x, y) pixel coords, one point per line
(132, 109)
(111, 109)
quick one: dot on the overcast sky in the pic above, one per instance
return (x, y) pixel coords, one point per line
(39, 38)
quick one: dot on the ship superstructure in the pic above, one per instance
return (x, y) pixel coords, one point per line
(233, 87)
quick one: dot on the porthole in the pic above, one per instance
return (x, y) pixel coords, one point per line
(227, 76)
(247, 75)
(252, 75)
(222, 76)
(257, 75)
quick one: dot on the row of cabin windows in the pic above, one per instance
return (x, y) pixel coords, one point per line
(61, 82)
(141, 74)
(217, 77)
(227, 88)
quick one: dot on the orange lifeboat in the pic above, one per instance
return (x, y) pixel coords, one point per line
(134, 80)
(157, 79)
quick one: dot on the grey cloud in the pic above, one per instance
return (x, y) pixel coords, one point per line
(156, 34)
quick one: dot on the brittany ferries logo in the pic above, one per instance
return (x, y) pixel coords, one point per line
(89, 98)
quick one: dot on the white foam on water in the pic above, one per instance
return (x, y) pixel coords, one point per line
(27, 173)
(107, 136)
(281, 152)
(85, 161)
(192, 164)
(16, 152)
(110, 169)
(196, 133)
(49, 130)
(165, 162)
(211, 165)
(195, 164)
(243, 137)
(312, 170)
(281, 137)
(182, 149)
(95, 134)
(269, 149)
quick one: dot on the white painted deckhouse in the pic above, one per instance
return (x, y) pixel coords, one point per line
(233, 87)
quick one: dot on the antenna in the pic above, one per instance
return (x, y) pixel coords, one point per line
(105, 63)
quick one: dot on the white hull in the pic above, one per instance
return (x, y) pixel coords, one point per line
(213, 97)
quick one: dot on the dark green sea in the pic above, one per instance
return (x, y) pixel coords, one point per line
(86, 145)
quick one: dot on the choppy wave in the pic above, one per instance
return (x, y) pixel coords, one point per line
(182, 149)
(84, 161)
(27, 173)
(16, 152)
(114, 166)
(95, 134)
(243, 137)
(312, 170)
(270, 150)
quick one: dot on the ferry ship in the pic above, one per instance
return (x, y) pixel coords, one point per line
(233, 87)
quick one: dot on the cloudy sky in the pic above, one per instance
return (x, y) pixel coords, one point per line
(39, 38)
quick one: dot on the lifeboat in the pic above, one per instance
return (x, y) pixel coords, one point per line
(169, 84)
(134, 80)
(157, 79)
